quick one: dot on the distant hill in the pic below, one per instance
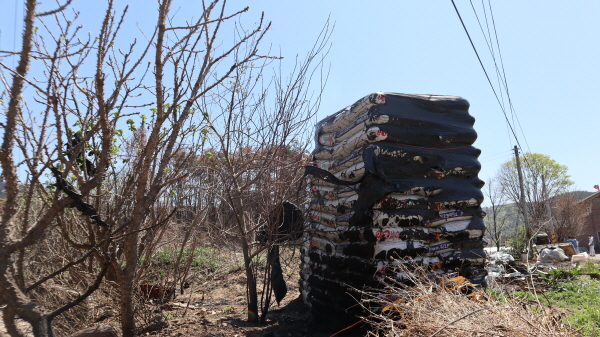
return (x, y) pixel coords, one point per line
(511, 210)
(583, 194)
(512, 207)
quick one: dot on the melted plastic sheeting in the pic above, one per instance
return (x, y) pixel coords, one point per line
(394, 183)
(403, 154)
(453, 231)
(341, 119)
(442, 137)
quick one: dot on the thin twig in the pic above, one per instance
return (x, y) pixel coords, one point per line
(85, 295)
(351, 326)
(59, 9)
(458, 319)
(67, 266)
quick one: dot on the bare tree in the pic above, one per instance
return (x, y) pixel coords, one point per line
(498, 217)
(31, 209)
(568, 216)
(254, 125)
(534, 167)
(98, 188)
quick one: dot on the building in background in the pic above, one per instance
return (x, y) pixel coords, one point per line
(592, 221)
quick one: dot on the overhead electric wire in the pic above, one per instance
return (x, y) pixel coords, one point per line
(490, 48)
(502, 81)
(505, 81)
(502, 153)
(499, 76)
(495, 157)
(486, 73)
(504, 78)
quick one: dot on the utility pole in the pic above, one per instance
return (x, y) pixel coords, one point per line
(523, 204)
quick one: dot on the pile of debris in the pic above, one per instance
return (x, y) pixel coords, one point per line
(394, 182)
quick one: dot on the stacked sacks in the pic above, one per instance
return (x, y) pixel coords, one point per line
(394, 182)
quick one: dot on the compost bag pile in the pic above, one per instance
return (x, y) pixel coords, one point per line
(394, 182)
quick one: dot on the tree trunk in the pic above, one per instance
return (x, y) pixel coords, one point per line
(250, 283)
(127, 308)
(126, 278)
(42, 327)
(20, 304)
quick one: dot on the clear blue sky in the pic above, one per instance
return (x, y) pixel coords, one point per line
(550, 51)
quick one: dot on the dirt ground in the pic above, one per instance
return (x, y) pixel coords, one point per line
(217, 308)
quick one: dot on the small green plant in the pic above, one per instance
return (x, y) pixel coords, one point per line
(169, 316)
(556, 275)
(497, 295)
(203, 259)
(260, 259)
(519, 240)
(227, 310)
(579, 296)
(590, 267)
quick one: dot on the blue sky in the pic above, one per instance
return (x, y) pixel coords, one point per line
(550, 51)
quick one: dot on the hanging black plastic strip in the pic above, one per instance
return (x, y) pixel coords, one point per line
(277, 281)
(326, 176)
(372, 190)
(371, 161)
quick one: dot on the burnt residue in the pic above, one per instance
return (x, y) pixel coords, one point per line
(414, 200)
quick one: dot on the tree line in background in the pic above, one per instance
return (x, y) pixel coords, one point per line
(184, 137)
(552, 205)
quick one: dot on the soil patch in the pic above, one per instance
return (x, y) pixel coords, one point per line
(217, 307)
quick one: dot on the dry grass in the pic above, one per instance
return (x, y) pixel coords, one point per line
(54, 295)
(451, 306)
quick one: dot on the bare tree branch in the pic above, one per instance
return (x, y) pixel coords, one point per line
(59, 9)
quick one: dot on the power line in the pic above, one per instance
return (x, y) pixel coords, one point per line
(504, 77)
(486, 74)
(496, 155)
(490, 46)
(501, 79)
(504, 80)
(501, 76)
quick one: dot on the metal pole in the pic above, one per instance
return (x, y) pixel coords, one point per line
(523, 204)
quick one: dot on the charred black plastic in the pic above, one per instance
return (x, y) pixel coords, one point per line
(420, 171)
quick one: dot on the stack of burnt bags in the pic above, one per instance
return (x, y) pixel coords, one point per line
(394, 182)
